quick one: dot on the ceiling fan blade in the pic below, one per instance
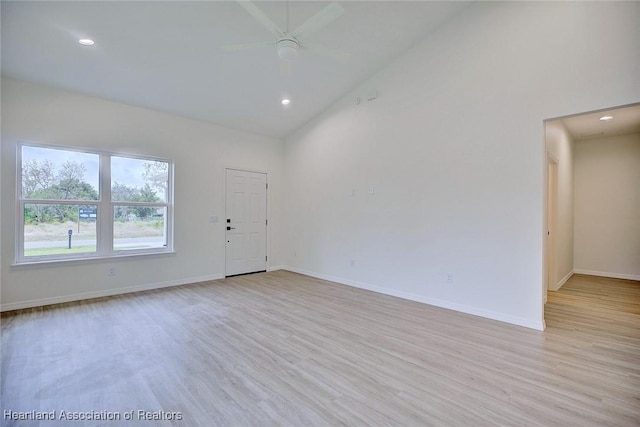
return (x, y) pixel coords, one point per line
(259, 15)
(319, 20)
(340, 55)
(244, 46)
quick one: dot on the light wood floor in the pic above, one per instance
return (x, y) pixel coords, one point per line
(284, 349)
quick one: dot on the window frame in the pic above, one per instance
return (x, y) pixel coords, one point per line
(105, 245)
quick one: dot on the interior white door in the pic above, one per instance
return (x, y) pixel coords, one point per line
(246, 222)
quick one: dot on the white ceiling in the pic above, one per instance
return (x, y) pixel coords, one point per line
(625, 120)
(169, 56)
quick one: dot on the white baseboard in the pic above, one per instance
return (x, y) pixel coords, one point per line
(606, 274)
(276, 267)
(538, 325)
(105, 293)
(562, 281)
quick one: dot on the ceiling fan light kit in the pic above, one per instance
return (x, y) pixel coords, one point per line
(288, 48)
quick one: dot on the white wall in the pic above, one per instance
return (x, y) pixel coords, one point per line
(201, 151)
(560, 145)
(454, 145)
(607, 207)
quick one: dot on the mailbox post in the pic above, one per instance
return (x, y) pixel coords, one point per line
(70, 233)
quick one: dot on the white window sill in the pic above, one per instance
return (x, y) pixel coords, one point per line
(93, 259)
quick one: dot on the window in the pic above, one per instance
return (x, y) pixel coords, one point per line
(79, 204)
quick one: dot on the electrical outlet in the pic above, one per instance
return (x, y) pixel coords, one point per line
(449, 277)
(112, 272)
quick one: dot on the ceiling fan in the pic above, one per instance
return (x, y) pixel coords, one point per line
(289, 42)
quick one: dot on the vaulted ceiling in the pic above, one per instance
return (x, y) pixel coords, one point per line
(171, 56)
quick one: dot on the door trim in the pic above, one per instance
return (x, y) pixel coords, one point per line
(551, 211)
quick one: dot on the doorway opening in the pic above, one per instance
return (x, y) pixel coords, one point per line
(591, 208)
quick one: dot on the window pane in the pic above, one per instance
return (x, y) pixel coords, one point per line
(49, 173)
(47, 228)
(139, 227)
(136, 180)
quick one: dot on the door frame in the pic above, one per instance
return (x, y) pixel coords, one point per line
(224, 222)
(551, 222)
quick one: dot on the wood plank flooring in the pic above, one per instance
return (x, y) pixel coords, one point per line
(280, 348)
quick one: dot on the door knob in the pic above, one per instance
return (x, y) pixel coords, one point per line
(230, 228)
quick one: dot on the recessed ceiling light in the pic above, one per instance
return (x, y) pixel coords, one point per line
(606, 118)
(86, 42)
(286, 101)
